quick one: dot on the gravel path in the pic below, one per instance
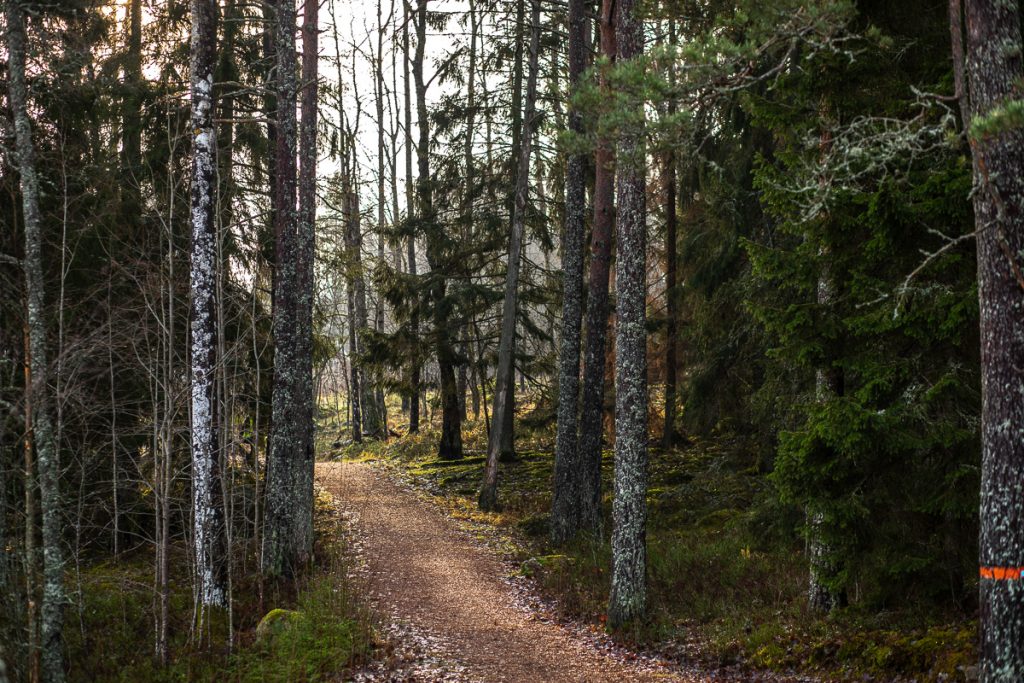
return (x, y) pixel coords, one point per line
(448, 597)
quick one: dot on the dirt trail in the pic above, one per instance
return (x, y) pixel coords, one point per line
(429, 576)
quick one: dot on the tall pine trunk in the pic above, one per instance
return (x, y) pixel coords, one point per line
(278, 555)
(628, 598)
(306, 253)
(43, 434)
(450, 444)
(410, 198)
(208, 515)
(378, 316)
(350, 212)
(670, 190)
(994, 72)
(506, 365)
(507, 445)
(569, 470)
(596, 340)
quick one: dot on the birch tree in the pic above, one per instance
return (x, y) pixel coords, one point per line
(208, 519)
(628, 599)
(44, 442)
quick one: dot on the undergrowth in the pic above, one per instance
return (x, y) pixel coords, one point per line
(727, 581)
(111, 626)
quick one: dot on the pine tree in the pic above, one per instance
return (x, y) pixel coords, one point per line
(306, 248)
(450, 444)
(995, 67)
(506, 346)
(628, 599)
(280, 556)
(569, 470)
(598, 307)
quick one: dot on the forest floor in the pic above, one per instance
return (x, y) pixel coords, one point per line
(726, 589)
(452, 597)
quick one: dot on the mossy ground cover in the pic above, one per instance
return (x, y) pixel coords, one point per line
(727, 579)
(110, 625)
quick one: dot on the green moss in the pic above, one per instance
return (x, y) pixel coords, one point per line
(726, 573)
(316, 634)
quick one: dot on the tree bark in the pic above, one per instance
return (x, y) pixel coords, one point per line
(507, 433)
(208, 517)
(628, 598)
(502, 407)
(602, 237)
(278, 556)
(43, 434)
(994, 72)
(378, 317)
(410, 197)
(302, 541)
(669, 188)
(821, 596)
(350, 209)
(569, 470)
(450, 444)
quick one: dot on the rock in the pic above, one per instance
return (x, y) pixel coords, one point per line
(276, 621)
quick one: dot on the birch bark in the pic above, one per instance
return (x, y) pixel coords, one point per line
(208, 520)
(43, 434)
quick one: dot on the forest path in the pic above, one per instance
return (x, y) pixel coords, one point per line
(451, 596)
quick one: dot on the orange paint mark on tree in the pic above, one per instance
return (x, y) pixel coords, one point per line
(1001, 573)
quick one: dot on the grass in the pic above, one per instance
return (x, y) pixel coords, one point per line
(727, 581)
(327, 632)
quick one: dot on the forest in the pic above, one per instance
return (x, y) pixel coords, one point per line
(511, 340)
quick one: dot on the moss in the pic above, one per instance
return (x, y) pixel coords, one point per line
(318, 633)
(726, 577)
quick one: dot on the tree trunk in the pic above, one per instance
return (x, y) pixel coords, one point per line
(47, 455)
(502, 407)
(628, 598)
(669, 187)
(462, 380)
(450, 444)
(821, 596)
(350, 209)
(592, 399)
(131, 134)
(279, 556)
(378, 317)
(302, 541)
(507, 445)
(410, 195)
(994, 72)
(371, 424)
(208, 517)
(31, 560)
(569, 471)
